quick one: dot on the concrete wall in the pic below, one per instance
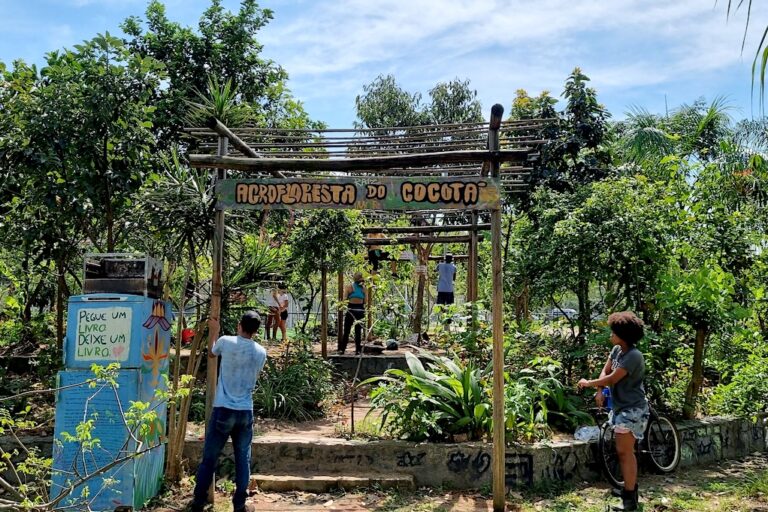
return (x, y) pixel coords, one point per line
(468, 465)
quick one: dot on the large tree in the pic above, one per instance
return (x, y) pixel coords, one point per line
(224, 47)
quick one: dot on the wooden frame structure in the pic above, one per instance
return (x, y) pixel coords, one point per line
(498, 150)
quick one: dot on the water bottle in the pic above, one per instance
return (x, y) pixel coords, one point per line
(608, 400)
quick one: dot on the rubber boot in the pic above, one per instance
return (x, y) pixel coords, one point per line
(616, 491)
(629, 500)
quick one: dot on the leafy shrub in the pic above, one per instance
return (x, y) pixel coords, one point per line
(746, 393)
(448, 399)
(453, 398)
(536, 401)
(197, 405)
(296, 386)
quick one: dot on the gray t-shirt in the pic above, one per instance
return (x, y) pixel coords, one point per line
(629, 392)
(445, 271)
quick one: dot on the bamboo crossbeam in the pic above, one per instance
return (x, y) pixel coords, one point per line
(425, 229)
(342, 142)
(504, 126)
(355, 164)
(456, 257)
(417, 240)
(463, 135)
(219, 127)
(311, 150)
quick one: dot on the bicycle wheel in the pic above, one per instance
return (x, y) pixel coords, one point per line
(662, 442)
(609, 459)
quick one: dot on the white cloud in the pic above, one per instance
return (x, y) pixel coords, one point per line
(332, 48)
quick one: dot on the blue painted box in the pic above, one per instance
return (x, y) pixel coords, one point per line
(143, 358)
(106, 328)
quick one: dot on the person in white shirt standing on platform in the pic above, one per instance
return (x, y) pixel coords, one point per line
(242, 360)
(446, 272)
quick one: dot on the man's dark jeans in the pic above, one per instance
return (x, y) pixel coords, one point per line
(225, 423)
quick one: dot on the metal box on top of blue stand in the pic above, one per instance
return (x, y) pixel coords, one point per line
(134, 331)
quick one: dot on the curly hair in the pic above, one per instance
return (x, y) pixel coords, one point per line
(627, 326)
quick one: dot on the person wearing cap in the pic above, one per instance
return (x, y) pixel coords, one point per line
(624, 372)
(355, 295)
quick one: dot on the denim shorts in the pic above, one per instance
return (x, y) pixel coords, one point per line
(632, 420)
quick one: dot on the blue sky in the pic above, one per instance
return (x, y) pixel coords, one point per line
(647, 53)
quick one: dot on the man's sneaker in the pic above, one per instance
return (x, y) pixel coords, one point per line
(249, 507)
(192, 507)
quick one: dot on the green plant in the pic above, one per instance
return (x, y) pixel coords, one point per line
(197, 405)
(295, 386)
(746, 392)
(536, 401)
(448, 399)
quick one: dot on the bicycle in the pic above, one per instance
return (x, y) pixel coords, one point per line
(660, 446)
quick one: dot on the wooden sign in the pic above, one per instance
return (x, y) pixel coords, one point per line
(361, 193)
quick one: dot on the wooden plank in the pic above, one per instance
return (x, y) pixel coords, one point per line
(415, 239)
(505, 125)
(456, 257)
(355, 164)
(499, 438)
(448, 228)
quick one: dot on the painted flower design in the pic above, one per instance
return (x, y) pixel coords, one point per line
(157, 317)
(155, 354)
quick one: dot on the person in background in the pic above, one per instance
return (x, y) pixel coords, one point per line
(446, 275)
(355, 295)
(281, 300)
(271, 304)
(242, 360)
(624, 372)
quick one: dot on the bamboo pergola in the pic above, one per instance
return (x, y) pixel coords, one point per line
(503, 150)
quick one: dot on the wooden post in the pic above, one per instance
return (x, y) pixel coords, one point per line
(368, 309)
(216, 285)
(324, 311)
(472, 264)
(340, 314)
(499, 442)
(418, 308)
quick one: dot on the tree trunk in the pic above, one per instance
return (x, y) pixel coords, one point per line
(324, 312)
(522, 311)
(697, 377)
(418, 310)
(585, 309)
(61, 285)
(312, 295)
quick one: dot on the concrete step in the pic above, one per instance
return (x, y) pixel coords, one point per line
(328, 482)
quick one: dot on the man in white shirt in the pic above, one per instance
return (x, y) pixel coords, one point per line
(242, 359)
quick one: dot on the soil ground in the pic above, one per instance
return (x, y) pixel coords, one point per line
(734, 486)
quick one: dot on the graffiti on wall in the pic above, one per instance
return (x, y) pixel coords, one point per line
(474, 464)
(518, 470)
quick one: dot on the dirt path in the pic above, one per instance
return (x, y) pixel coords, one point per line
(736, 486)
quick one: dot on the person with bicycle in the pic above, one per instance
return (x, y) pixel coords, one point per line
(623, 373)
